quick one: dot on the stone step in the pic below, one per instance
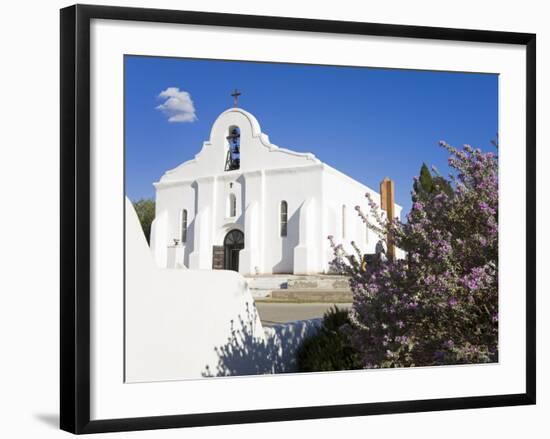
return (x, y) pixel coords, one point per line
(309, 295)
(273, 282)
(324, 283)
(265, 283)
(300, 288)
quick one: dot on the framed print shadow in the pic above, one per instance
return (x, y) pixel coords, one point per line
(381, 261)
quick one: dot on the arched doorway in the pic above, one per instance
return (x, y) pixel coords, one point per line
(233, 243)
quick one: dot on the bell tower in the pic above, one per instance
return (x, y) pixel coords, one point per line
(233, 157)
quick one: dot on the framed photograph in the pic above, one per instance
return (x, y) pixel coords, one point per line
(268, 219)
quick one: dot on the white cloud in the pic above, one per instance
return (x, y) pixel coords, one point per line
(178, 105)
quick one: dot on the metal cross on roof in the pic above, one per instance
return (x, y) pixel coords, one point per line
(236, 93)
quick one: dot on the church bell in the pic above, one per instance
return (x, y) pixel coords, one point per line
(233, 136)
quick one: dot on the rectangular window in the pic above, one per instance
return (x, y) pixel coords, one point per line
(284, 218)
(232, 205)
(183, 226)
(344, 221)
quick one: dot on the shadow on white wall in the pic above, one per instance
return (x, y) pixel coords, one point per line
(185, 324)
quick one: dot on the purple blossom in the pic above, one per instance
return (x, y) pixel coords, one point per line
(449, 344)
(483, 206)
(451, 242)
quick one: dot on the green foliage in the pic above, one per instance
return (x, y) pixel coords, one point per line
(145, 209)
(427, 185)
(425, 182)
(330, 349)
(442, 185)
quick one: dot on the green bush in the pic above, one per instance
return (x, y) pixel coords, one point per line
(329, 349)
(145, 209)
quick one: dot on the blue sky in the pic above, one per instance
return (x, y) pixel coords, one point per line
(366, 122)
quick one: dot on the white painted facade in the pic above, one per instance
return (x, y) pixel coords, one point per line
(320, 200)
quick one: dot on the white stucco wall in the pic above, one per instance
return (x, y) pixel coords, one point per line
(187, 324)
(340, 190)
(256, 151)
(178, 320)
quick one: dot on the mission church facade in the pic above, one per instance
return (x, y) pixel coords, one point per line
(245, 204)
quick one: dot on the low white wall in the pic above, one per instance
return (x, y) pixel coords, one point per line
(185, 324)
(178, 321)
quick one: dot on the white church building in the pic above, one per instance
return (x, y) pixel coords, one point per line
(247, 205)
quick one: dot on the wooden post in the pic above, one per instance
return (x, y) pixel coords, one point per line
(387, 203)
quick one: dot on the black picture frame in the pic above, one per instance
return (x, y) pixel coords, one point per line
(75, 217)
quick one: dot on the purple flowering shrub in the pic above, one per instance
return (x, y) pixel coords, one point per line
(439, 304)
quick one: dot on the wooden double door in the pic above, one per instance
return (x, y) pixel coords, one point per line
(227, 256)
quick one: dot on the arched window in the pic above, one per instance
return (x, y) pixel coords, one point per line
(233, 157)
(232, 206)
(183, 226)
(284, 218)
(344, 221)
